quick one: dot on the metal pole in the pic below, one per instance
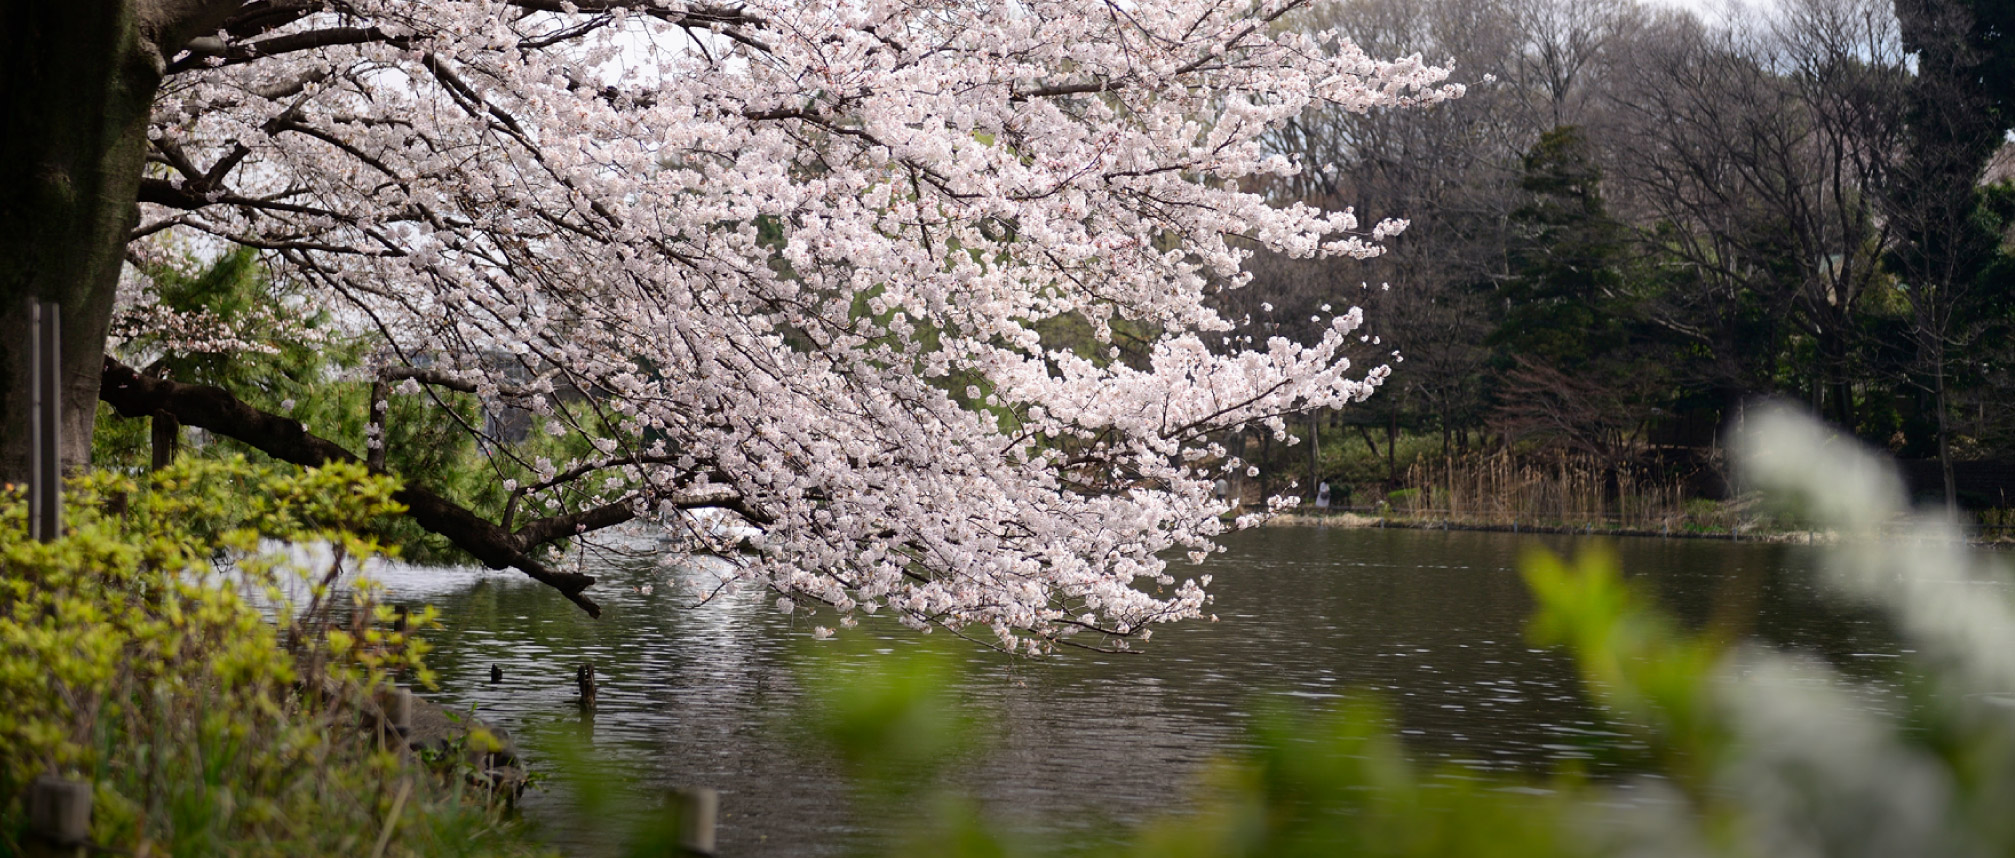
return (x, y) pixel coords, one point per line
(45, 418)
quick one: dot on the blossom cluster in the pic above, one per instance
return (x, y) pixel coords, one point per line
(801, 257)
(157, 328)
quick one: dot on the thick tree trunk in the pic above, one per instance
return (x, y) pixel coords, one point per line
(77, 84)
(77, 81)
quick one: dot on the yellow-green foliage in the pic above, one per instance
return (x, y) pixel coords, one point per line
(1339, 783)
(1326, 784)
(175, 651)
(1632, 656)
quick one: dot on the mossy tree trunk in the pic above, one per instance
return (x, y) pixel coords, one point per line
(77, 82)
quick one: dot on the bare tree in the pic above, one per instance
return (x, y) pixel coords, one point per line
(1568, 51)
(1452, 173)
(1750, 155)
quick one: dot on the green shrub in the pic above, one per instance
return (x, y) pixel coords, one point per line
(1702, 509)
(175, 650)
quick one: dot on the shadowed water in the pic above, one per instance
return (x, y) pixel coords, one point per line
(1083, 744)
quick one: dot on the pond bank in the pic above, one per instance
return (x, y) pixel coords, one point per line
(488, 756)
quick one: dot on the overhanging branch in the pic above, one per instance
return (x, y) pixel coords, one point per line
(133, 394)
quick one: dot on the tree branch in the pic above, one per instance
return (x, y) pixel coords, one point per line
(451, 381)
(217, 410)
(245, 52)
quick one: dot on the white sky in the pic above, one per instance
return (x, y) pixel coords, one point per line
(1710, 10)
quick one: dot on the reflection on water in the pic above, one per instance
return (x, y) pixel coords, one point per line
(704, 694)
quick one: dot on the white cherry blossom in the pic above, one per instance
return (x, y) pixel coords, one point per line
(800, 261)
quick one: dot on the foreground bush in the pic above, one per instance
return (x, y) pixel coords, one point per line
(181, 650)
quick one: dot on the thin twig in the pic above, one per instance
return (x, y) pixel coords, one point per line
(392, 819)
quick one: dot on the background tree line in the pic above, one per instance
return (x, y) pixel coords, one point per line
(1638, 220)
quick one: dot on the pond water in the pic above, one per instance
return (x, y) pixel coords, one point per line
(1084, 744)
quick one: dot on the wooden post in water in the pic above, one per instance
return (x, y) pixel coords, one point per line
(45, 422)
(585, 678)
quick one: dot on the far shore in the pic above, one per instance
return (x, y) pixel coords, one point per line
(1736, 534)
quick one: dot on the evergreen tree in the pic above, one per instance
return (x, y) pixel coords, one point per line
(1564, 285)
(1577, 366)
(1948, 241)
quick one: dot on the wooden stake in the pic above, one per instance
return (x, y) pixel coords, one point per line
(696, 808)
(45, 419)
(166, 435)
(59, 811)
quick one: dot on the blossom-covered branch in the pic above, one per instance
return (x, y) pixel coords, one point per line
(804, 260)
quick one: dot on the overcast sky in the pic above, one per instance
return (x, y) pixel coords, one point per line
(1709, 10)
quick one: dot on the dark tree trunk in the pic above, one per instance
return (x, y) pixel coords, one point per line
(77, 83)
(1266, 465)
(1945, 441)
(166, 435)
(1392, 448)
(1840, 388)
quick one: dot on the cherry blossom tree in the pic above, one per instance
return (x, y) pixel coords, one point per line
(794, 261)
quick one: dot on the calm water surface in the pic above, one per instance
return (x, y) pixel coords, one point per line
(1083, 744)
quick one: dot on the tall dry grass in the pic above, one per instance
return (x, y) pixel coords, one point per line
(1559, 491)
